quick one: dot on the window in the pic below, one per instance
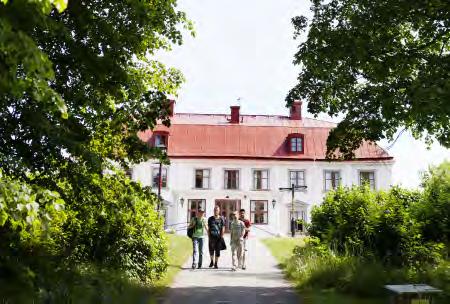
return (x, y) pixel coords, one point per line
(193, 206)
(231, 179)
(155, 177)
(332, 180)
(160, 140)
(297, 178)
(261, 179)
(295, 143)
(259, 212)
(202, 178)
(367, 177)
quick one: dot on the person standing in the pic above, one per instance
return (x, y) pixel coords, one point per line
(216, 228)
(237, 231)
(200, 228)
(247, 230)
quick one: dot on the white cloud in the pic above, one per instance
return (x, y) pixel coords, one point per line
(245, 49)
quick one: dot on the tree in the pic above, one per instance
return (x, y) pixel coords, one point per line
(77, 82)
(384, 64)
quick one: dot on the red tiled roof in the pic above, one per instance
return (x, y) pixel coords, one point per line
(257, 136)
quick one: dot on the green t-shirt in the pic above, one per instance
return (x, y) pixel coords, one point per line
(199, 228)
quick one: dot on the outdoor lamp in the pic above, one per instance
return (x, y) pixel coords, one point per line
(274, 203)
(182, 202)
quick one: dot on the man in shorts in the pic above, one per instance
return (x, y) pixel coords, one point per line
(247, 230)
(237, 231)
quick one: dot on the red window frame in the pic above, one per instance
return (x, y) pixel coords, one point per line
(288, 143)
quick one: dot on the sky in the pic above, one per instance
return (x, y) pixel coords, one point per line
(244, 49)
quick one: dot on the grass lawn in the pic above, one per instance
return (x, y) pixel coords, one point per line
(281, 249)
(179, 251)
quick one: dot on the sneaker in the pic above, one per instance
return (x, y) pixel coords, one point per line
(243, 267)
(193, 266)
(211, 264)
(233, 268)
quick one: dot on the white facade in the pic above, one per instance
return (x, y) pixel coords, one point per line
(181, 186)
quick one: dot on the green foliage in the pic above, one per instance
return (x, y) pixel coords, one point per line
(378, 225)
(434, 211)
(115, 224)
(362, 239)
(384, 64)
(29, 213)
(78, 80)
(83, 81)
(315, 266)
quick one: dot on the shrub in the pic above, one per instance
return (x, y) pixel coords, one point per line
(378, 225)
(104, 221)
(315, 266)
(434, 210)
(31, 233)
(115, 225)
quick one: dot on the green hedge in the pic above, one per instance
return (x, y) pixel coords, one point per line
(90, 226)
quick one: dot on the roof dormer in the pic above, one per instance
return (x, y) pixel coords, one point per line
(295, 143)
(160, 139)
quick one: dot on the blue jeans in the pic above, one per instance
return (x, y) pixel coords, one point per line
(197, 246)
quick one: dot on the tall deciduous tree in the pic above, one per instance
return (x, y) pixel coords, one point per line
(384, 64)
(76, 81)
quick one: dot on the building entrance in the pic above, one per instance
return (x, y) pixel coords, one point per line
(226, 207)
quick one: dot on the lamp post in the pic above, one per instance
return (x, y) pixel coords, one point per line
(292, 189)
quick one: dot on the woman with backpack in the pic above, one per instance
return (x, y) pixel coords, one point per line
(198, 228)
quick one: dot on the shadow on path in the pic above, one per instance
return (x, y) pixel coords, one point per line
(230, 295)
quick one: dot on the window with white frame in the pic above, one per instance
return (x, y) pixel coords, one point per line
(296, 144)
(332, 179)
(367, 177)
(260, 179)
(202, 178)
(259, 213)
(231, 179)
(297, 178)
(156, 180)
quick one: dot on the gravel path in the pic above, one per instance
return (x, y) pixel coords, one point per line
(261, 283)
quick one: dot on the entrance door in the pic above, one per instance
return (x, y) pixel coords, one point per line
(226, 207)
(298, 215)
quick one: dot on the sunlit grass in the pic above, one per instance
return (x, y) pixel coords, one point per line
(281, 249)
(179, 250)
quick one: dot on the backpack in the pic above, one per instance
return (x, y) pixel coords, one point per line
(215, 229)
(190, 231)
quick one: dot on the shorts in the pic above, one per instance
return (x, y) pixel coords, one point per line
(214, 246)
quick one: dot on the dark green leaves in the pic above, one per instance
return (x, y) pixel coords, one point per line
(384, 64)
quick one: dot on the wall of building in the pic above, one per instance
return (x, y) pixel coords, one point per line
(181, 179)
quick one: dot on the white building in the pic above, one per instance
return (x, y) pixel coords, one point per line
(240, 161)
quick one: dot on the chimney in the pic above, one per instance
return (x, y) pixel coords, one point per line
(234, 114)
(296, 110)
(171, 107)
